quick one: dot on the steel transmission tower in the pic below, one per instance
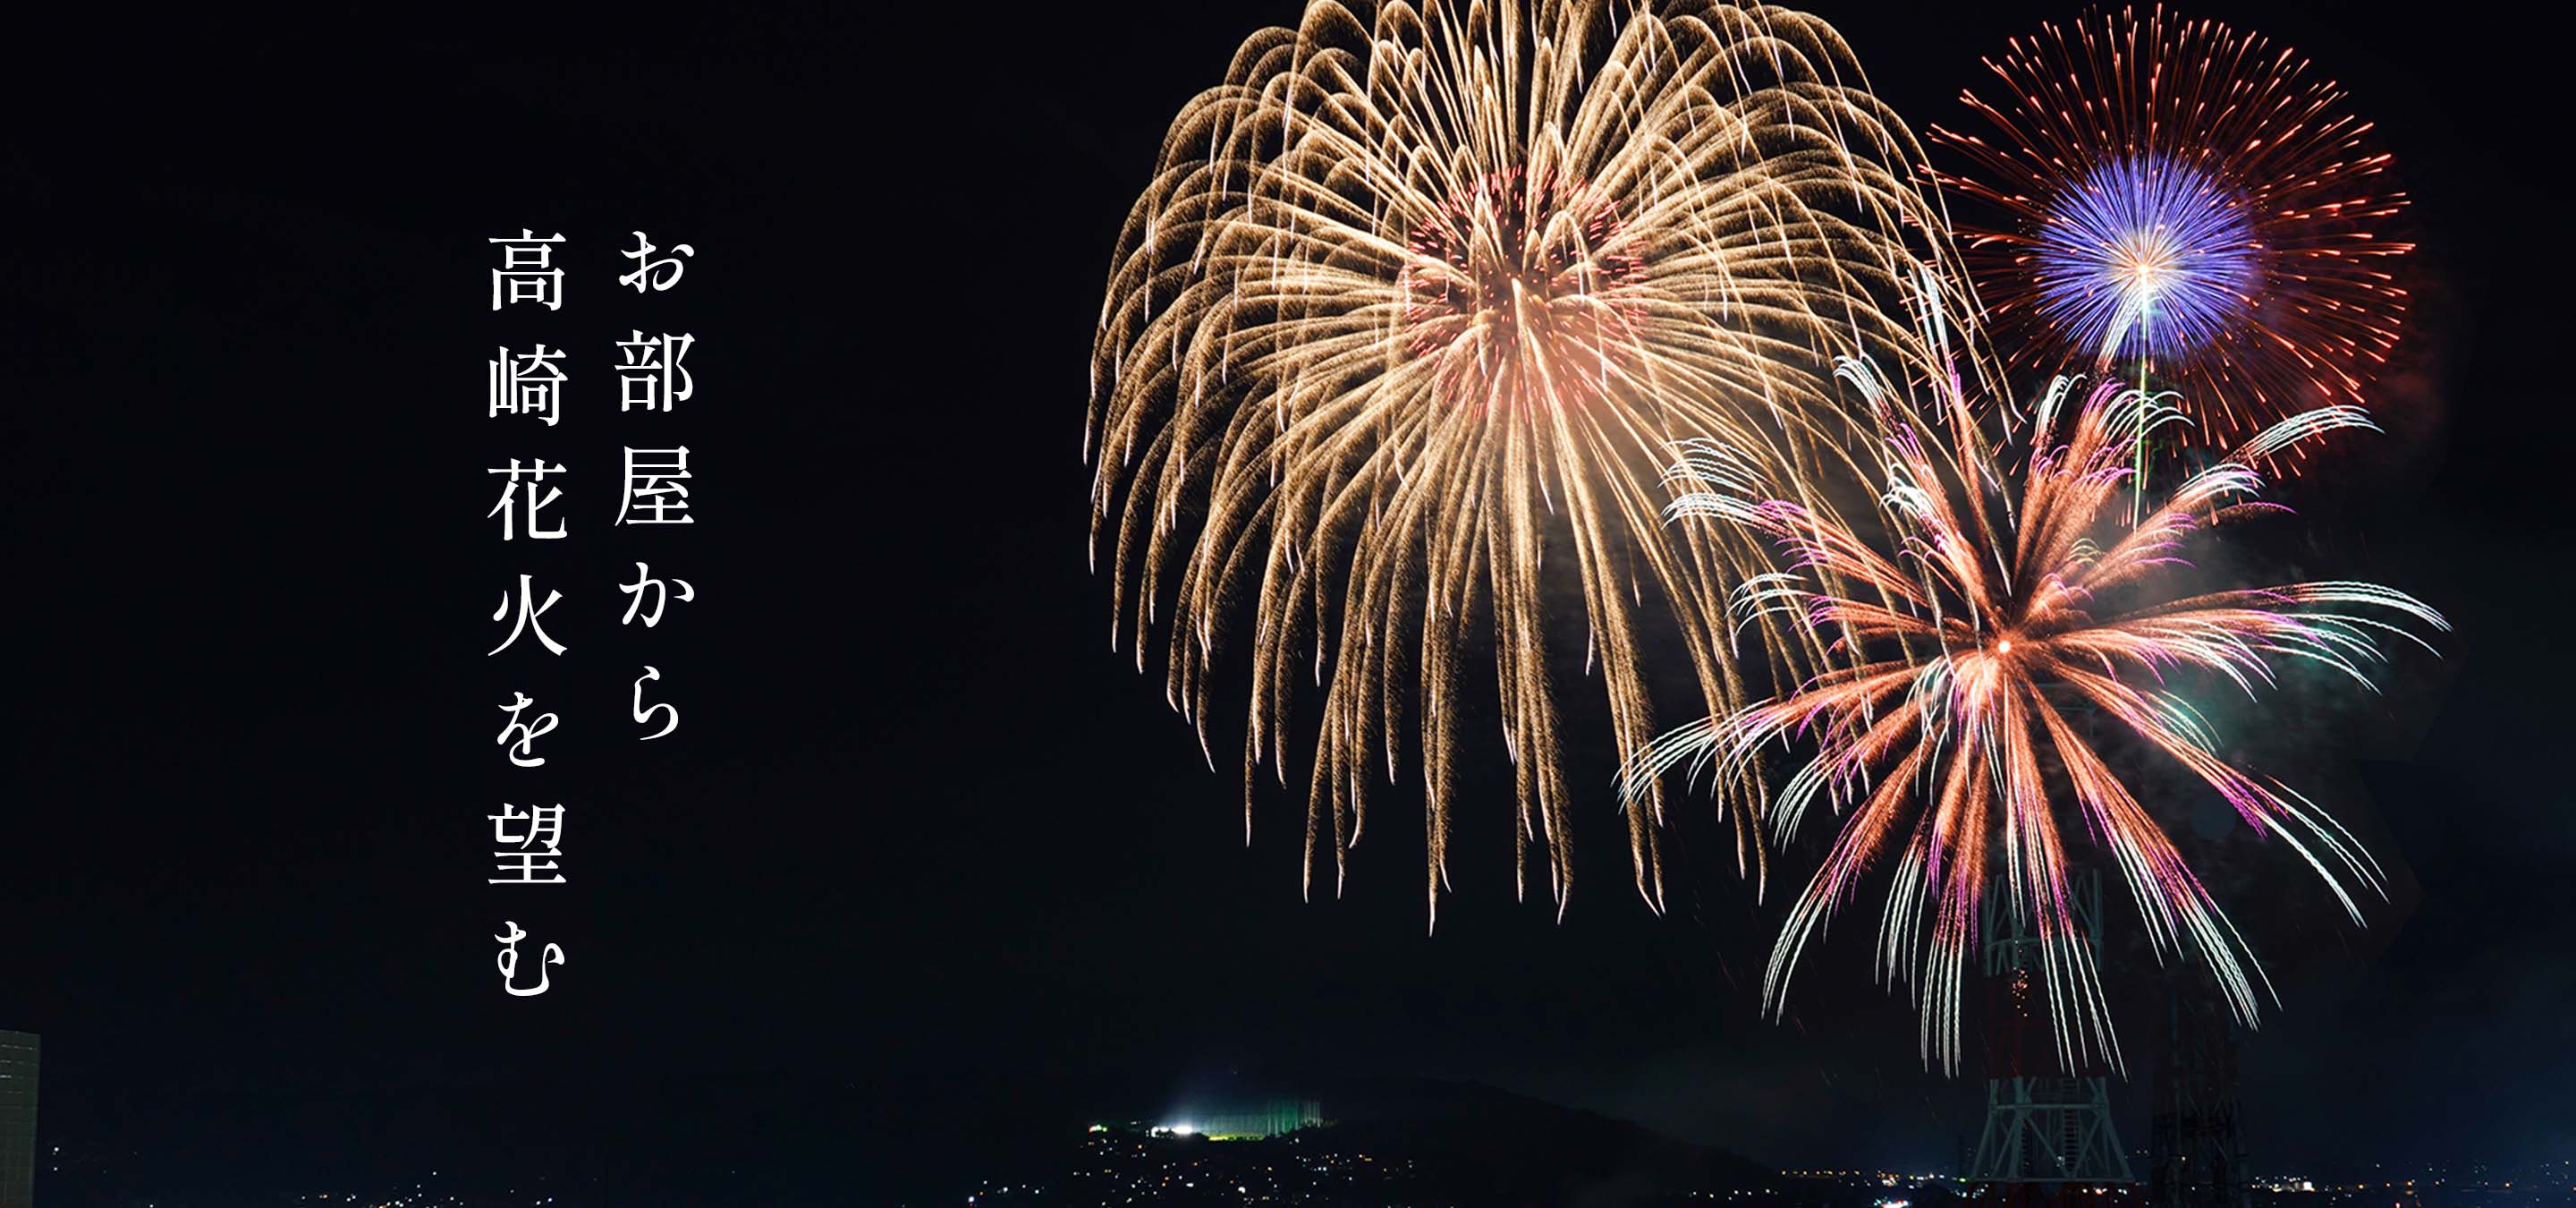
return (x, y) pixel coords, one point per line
(2199, 1155)
(2048, 1128)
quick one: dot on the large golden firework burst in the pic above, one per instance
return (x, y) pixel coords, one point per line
(1420, 296)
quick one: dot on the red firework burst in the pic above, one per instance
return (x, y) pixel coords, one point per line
(2178, 198)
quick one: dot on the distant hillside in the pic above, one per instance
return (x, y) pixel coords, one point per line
(1487, 1146)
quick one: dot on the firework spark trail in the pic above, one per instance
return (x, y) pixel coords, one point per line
(1945, 734)
(1419, 299)
(2173, 193)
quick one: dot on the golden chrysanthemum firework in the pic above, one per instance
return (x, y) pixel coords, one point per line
(2176, 198)
(1976, 646)
(1420, 297)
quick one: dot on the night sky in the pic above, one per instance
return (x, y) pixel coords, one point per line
(926, 857)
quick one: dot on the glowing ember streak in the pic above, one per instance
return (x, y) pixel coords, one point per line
(1421, 299)
(1951, 734)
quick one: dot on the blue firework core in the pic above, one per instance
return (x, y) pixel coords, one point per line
(2148, 257)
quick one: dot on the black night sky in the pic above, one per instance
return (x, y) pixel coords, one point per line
(927, 862)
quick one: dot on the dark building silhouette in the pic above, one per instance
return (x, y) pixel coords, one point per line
(17, 1119)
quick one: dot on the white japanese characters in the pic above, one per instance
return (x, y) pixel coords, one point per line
(644, 581)
(528, 272)
(651, 372)
(530, 384)
(529, 851)
(653, 378)
(527, 618)
(654, 490)
(517, 495)
(659, 274)
(510, 936)
(522, 750)
(644, 716)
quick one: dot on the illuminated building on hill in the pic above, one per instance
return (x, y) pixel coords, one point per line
(1251, 1122)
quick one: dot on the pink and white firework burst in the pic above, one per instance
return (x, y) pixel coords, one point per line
(1979, 644)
